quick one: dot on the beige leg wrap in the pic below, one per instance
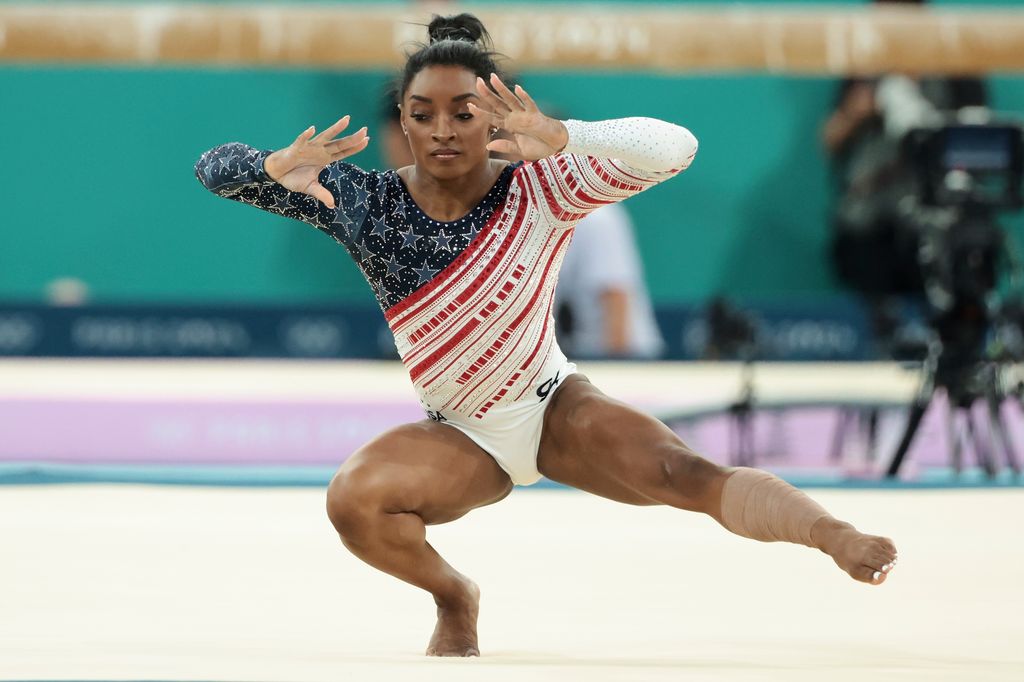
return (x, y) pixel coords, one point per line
(761, 506)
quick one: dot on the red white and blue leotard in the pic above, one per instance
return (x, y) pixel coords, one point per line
(469, 301)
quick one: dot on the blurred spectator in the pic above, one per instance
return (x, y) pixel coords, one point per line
(602, 308)
(875, 243)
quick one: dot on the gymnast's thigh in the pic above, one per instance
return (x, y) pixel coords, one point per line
(604, 446)
(584, 443)
(427, 468)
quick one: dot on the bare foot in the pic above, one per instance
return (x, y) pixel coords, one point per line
(455, 632)
(867, 558)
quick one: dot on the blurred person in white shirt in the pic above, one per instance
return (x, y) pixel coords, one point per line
(602, 308)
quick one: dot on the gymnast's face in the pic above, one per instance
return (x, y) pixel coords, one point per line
(447, 141)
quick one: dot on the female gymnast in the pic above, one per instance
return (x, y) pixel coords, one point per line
(462, 252)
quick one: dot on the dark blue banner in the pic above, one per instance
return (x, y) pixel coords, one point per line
(194, 331)
(833, 330)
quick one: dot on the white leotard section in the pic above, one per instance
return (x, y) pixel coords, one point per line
(641, 142)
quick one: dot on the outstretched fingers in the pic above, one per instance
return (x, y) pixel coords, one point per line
(350, 150)
(491, 98)
(347, 141)
(331, 132)
(489, 116)
(348, 145)
(508, 97)
(306, 134)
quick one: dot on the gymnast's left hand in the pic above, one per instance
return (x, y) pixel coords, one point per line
(534, 135)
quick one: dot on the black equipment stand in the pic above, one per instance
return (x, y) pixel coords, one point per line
(741, 416)
(864, 417)
(963, 384)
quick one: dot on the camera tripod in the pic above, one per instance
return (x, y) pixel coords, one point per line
(964, 383)
(741, 419)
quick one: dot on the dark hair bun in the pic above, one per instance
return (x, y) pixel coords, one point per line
(464, 27)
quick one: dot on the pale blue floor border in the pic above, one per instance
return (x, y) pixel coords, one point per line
(43, 473)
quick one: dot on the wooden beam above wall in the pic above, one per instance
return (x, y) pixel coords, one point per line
(605, 38)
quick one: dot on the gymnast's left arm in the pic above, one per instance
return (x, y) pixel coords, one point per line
(604, 162)
(644, 143)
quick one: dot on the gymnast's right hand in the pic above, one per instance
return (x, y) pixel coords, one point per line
(297, 166)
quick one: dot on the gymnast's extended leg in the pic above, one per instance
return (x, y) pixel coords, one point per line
(384, 496)
(603, 446)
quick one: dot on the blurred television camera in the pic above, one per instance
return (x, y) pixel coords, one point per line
(926, 172)
(967, 168)
(923, 177)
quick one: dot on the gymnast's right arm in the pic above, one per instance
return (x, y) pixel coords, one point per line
(290, 181)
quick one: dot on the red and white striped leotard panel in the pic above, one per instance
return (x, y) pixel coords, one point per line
(481, 333)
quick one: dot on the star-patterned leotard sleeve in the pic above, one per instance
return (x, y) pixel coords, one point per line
(235, 171)
(397, 246)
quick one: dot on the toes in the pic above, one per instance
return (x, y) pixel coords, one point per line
(867, 574)
(888, 559)
(889, 546)
(884, 554)
(880, 562)
(863, 573)
(455, 653)
(877, 577)
(441, 652)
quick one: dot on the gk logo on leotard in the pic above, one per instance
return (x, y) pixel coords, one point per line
(545, 389)
(436, 416)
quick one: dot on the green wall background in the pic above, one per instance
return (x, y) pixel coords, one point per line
(97, 181)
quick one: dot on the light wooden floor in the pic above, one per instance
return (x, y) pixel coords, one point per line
(165, 583)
